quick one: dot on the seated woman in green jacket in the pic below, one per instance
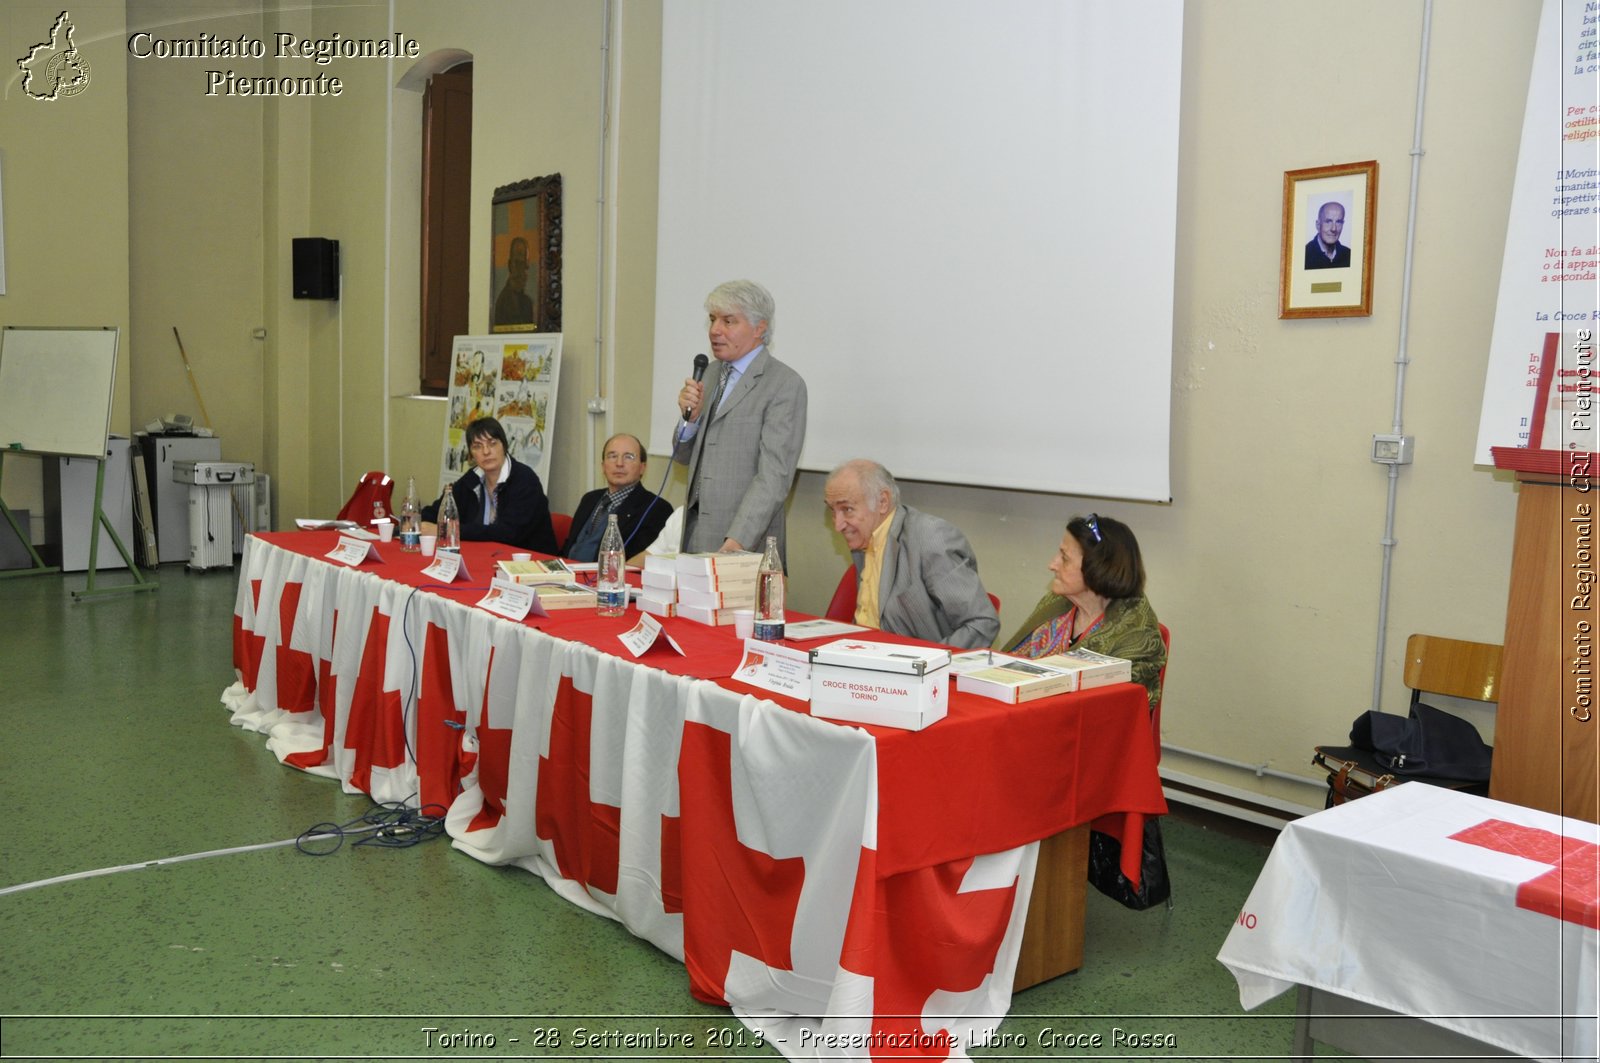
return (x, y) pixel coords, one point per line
(1096, 602)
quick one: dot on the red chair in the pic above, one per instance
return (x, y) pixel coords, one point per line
(1155, 710)
(562, 523)
(843, 605)
(373, 487)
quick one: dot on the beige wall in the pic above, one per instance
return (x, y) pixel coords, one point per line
(1267, 562)
(195, 232)
(63, 167)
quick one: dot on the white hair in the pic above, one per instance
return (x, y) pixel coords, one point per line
(873, 478)
(747, 299)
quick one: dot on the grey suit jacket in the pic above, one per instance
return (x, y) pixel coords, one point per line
(741, 466)
(929, 586)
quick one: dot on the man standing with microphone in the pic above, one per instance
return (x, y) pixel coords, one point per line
(743, 429)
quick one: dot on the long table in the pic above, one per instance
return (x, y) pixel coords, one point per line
(853, 892)
(1424, 920)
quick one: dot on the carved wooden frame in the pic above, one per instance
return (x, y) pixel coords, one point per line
(528, 210)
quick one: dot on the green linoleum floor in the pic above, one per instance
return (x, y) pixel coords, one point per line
(117, 751)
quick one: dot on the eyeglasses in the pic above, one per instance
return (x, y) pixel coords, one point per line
(626, 455)
(1093, 521)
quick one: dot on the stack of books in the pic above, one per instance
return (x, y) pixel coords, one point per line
(658, 594)
(552, 580)
(566, 596)
(712, 586)
(1015, 680)
(536, 572)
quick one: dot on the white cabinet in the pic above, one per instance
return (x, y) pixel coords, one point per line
(69, 506)
(169, 500)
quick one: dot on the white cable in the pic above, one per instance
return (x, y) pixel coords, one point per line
(168, 860)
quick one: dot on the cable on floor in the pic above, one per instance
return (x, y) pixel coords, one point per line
(388, 824)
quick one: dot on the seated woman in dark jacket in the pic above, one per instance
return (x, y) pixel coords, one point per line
(1096, 602)
(500, 500)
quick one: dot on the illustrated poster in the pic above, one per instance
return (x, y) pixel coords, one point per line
(512, 378)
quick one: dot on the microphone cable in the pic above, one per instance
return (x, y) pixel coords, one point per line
(387, 824)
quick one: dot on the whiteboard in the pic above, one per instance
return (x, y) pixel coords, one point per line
(55, 390)
(966, 214)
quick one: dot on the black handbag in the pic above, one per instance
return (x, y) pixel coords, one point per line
(1105, 868)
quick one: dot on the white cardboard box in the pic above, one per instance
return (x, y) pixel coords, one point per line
(880, 683)
(718, 568)
(657, 605)
(742, 598)
(705, 614)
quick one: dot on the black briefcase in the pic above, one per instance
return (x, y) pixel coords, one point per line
(1354, 772)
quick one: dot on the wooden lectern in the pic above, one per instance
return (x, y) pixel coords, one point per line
(1547, 734)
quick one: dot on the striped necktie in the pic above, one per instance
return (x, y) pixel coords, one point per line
(722, 389)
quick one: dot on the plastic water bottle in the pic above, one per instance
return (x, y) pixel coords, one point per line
(769, 594)
(410, 520)
(449, 523)
(611, 582)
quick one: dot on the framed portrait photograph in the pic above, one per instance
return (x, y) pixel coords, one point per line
(525, 256)
(1330, 215)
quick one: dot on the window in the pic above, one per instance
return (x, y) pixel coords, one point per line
(446, 215)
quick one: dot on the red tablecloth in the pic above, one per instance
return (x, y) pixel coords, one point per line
(873, 877)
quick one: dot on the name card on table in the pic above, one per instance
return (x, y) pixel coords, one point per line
(644, 634)
(352, 551)
(510, 599)
(780, 669)
(448, 566)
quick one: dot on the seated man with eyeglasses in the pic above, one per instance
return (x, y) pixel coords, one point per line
(1096, 602)
(640, 514)
(916, 573)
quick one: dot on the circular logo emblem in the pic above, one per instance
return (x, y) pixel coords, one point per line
(67, 74)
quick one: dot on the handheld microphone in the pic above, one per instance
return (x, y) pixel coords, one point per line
(700, 363)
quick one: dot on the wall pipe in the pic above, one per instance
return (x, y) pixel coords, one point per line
(1258, 770)
(602, 291)
(1402, 358)
(388, 242)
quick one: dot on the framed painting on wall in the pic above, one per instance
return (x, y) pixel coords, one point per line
(525, 256)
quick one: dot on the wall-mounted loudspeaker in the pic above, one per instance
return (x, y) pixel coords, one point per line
(316, 268)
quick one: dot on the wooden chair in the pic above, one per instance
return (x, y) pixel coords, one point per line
(1434, 665)
(1453, 667)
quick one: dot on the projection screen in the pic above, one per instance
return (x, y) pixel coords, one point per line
(966, 214)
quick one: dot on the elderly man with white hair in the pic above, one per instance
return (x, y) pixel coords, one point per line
(916, 574)
(743, 428)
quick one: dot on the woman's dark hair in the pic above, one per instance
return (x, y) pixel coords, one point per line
(487, 427)
(1112, 566)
